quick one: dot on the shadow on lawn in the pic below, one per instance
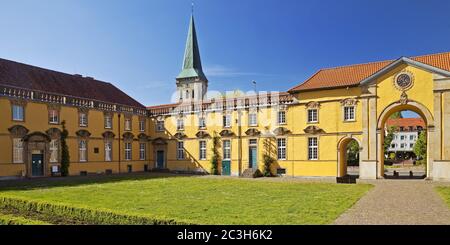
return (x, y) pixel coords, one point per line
(29, 184)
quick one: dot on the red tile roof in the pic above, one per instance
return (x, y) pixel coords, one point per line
(352, 75)
(35, 78)
(405, 122)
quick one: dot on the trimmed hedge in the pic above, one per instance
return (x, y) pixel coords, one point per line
(8, 219)
(86, 215)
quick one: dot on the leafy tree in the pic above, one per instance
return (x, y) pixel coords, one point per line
(420, 148)
(353, 152)
(216, 156)
(396, 115)
(389, 137)
(65, 156)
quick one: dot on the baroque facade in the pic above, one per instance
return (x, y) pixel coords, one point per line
(305, 129)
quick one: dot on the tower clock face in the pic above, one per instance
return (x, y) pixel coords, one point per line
(404, 81)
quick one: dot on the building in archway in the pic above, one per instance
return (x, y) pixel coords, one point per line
(305, 129)
(406, 132)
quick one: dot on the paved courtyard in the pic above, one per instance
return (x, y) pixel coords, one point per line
(398, 202)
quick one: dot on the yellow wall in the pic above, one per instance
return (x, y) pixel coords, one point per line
(297, 164)
(36, 120)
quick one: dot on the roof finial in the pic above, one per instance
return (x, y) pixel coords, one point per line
(192, 7)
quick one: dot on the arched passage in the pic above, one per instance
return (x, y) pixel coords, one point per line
(398, 107)
(343, 154)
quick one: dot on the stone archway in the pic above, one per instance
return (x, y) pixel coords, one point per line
(416, 107)
(341, 153)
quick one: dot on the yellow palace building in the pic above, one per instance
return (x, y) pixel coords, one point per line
(305, 129)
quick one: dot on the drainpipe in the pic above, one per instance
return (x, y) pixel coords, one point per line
(119, 143)
(240, 142)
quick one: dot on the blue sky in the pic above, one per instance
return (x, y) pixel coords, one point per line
(138, 44)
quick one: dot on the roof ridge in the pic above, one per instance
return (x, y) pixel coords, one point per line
(359, 64)
(307, 80)
(50, 70)
(381, 61)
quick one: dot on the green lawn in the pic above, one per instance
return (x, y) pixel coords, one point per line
(444, 192)
(201, 200)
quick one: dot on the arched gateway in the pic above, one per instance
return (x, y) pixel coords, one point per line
(406, 85)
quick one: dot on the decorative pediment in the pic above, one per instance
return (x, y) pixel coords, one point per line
(108, 135)
(313, 105)
(83, 133)
(180, 135)
(19, 102)
(143, 137)
(253, 132)
(83, 110)
(36, 137)
(18, 131)
(54, 107)
(349, 102)
(313, 130)
(128, 136)
(226, 133)
(54, 133)
(281, 131)
(202, 134)
(159, 141)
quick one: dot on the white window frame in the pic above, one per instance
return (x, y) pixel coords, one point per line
(82, 150)
(226, 149)
(160, 126)
(226, 121)
(18, 113)
(202, 149)
(281, 148)
(128, 151)
(127, 125)
(202, 122)
(142, 125)
(253, 119)
(108, 151)
(281, 117)
(180, 150)
(180, 124)
(313, 117)
(349, 113)
(83, 120)
(142, 151)
(17, 150)
(54, 150)
(108, 121)
(313, 148)
(53, 116)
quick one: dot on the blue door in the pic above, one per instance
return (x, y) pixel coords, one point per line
(37, 165)
(253, 162)
(226, 167)
(160, 159)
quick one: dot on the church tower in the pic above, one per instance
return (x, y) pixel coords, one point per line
(192, 83)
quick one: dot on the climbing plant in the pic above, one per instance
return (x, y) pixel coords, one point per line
(267, 157)
(65, 156)
(216, 155)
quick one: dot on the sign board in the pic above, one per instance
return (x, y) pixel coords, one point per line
(55, 169)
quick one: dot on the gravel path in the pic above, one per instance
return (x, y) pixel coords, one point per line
(397, 202)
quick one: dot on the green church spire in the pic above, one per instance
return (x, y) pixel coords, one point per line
(192, 65)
